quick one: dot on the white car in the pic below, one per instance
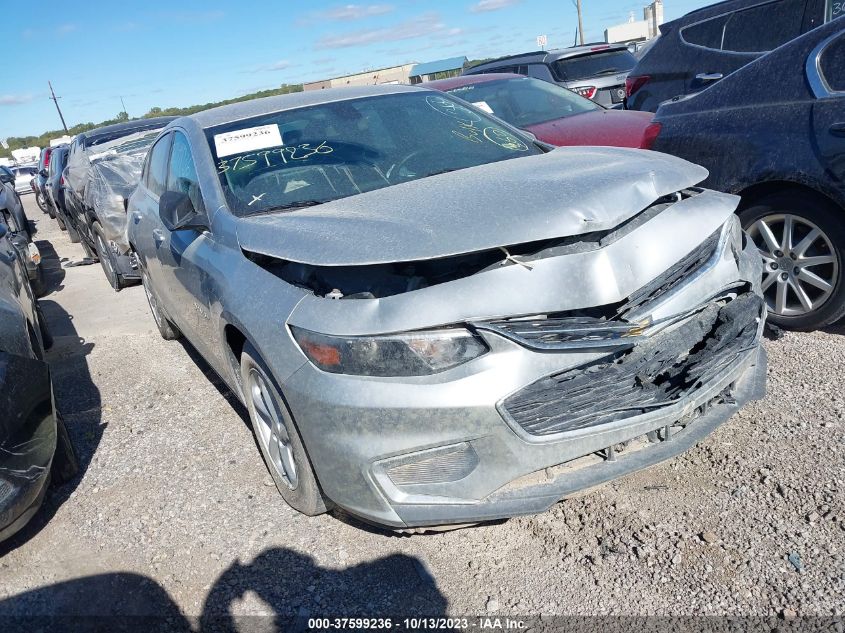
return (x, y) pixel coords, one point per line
(23, 178)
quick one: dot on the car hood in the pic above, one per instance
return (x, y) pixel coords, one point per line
(618, 128)
(568, 191)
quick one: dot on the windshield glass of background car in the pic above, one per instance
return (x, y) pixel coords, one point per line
(524, 102)
(597, 64)
(329, 151)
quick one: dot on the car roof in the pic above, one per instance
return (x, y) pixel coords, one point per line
(291, 101)
(127, 126)
(558, 53)
(468, 80)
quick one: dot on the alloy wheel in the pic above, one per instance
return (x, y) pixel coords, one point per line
(271, 428)
(801, 267)
(105, 258)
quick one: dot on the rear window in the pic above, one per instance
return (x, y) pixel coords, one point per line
(595, 65)
(523, 102)
(832, 64)
(758, 29)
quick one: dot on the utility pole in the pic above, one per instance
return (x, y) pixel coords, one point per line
(124, 106)
(56, 101)
(580, 22)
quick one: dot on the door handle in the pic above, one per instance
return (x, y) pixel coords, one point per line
(158, 237)
(837, 129)
(709, 76)
(136, 217)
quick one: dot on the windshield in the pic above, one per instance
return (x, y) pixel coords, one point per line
(595, 65)
(298, 158)
(524, 101)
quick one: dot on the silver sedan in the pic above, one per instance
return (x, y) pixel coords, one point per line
(432, 318)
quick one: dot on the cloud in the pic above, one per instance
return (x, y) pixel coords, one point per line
(423, 26)
(64, 29)
(15, 99)
(484, 6)
(350, 12)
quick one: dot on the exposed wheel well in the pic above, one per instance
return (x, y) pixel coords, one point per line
(750, 195)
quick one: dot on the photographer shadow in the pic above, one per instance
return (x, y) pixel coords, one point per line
(290, 585)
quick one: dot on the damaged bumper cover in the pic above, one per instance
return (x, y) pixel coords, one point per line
(548, 410)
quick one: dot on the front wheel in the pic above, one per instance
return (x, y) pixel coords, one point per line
(801, 241)
(41, 201)
(279, 441)
(168, 331)
(106, 257)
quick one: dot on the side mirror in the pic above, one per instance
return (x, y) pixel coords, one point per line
(177, 212)
(43, 173)
(7, 177)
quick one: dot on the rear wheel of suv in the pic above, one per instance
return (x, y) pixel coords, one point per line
(41, 202)
(277, 437)
(801, 239)
(168, 331)
(107, 257)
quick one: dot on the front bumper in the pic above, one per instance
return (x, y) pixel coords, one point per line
(442, 450)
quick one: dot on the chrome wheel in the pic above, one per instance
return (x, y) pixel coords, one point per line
(801, 267)
(271, 428)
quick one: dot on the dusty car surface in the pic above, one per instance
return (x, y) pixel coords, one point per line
(432, 319)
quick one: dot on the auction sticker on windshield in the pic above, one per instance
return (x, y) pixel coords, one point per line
(247, 140)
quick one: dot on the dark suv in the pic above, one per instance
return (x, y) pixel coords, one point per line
(594, 71)
(705, 45)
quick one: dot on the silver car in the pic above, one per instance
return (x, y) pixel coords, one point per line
(431, 318)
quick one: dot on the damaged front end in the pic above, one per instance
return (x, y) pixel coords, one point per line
(569, 362)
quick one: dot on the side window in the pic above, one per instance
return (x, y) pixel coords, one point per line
(540, 71)
(708, 33)
(182, 174)
(522, 69)
(764, 27)
(835, 9)
(156, 176)
(832, 64)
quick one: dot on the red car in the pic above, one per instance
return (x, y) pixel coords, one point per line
(553, 114)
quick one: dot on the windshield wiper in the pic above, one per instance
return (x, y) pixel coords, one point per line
(299, 204)
(608, 71)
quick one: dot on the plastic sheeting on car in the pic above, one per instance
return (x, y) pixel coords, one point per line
(105, 175)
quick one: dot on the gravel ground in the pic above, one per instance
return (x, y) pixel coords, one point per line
(175, 514)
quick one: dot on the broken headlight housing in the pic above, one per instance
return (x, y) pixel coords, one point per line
(406, 354)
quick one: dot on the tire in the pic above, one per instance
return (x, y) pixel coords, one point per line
(39, 200)
(281, 446)
(60, 220)
(800, 295)
(89, 252)
(106, 257)
(72, 233)
(168, 331)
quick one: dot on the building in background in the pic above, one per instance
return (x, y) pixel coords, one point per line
(637, 30)
(440, 69)
(391, 75)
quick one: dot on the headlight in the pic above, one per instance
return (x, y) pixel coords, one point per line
(408, 354)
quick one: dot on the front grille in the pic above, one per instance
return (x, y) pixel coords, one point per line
(609, 328)
(659, 371)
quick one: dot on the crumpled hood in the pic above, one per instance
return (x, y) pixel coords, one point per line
(569, 191)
